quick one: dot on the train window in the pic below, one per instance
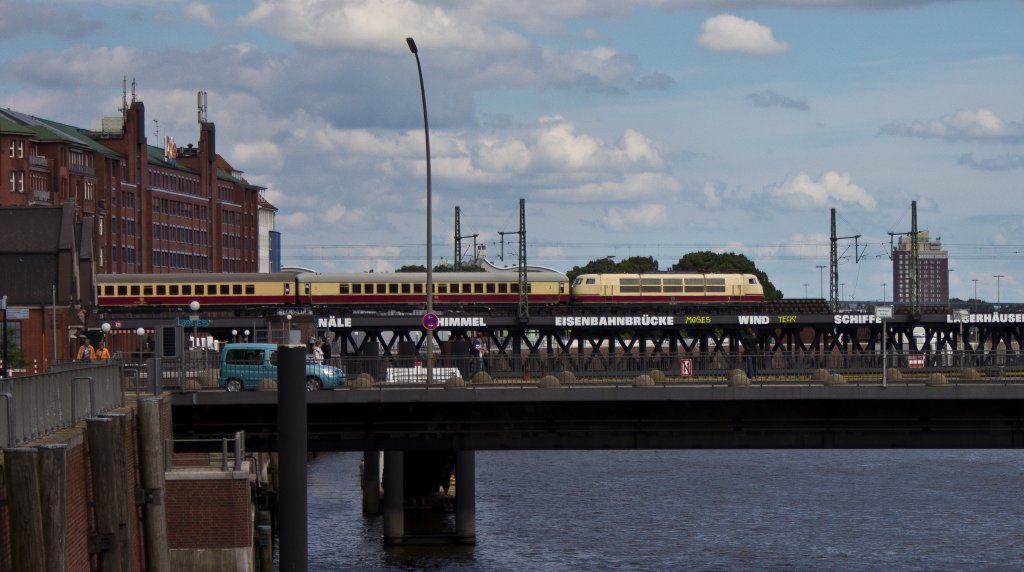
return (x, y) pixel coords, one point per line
(417, 288)
(716, 289)
(695, 289)
(161, 290)
(629, 289)
(629, 282)
(478, 288)
(135, 290)
(406, 288)
(751, 281)
(392, 288)
(108, 290)
(357, 288)
(455, 288)
(236, 289)
(650, 285)
(503, 288)
(186, 289)
(491, 288)
(441, 288)
(716, 281)
(342, 288)
(225, 289)
(287, 289)
(672, 289)
(122, 290)
(173, 289)
(672, 281)
(382, 288)
(147, 290)
(529, 288)
(591, 280)
(200, 290)
(694, 281)
(250, 289)
(211, 289)
(514, 288)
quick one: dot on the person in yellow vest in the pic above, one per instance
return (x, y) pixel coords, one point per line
(101, 353)
(85, 350)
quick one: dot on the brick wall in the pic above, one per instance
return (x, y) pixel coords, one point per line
(209, 512)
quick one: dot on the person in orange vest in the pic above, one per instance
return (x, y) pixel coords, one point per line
(85, 350)
(101, 353)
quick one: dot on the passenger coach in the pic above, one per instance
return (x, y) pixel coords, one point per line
(404, 288)
(207, 289)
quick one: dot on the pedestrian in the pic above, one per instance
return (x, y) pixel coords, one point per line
(750, 347)
(318, 353)
(84, 350)
(327, 349)
(474, 350)
(101, 353)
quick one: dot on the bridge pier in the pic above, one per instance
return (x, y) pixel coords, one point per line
(371, 482)
(396, 466)
(465, 497)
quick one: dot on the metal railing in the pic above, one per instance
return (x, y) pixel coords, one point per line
(37, 405)
(230, 458)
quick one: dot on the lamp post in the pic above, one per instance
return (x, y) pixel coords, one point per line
(998, 277)
(961, 316)
(821, 280)
(105, 328)
(140, 332)
(194, 306)
(805, 289)
(430, 259)
(234, 336)
(288, 334)
(3, 307)
(883, 292)
(975, 280)
(246, 338)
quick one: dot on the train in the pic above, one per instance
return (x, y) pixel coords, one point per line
(496, 287)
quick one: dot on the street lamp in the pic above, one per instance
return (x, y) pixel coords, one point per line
(821, 280)
(246, 335)
(430, 259)
(961, 316)
(883, 291)
(975, 280)
(234, 335)
(3, 307)
(194, 306)
(805, 289)
(140, 332)
(105, 328)
(998, 277)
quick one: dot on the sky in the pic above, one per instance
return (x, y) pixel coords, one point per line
(630, 128)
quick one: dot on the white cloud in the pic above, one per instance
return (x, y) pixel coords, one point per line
(200, 12)
(636, 218)
(263, 153)
(803, 193)
(979, 125)
(728, 33)
(711, 198)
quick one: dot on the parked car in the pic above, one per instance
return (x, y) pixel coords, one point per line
(244, 366)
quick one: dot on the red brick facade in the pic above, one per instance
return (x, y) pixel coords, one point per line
(209, 513)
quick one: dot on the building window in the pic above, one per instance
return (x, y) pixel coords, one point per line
(12, 148)
(21, 149)
(14, 178)
(21, 182)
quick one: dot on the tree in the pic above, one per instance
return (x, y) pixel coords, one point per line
(631, 265)
(706, 261)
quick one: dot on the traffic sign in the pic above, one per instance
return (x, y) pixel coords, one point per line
(916, 361)
(686, 367)
(430, 321)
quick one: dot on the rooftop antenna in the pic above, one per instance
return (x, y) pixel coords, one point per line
(156, 123)
(124, 98)
(133, 90)
(201, 104)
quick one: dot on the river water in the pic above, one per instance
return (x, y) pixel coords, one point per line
(702, 510)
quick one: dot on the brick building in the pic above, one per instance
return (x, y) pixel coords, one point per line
(933, 263)
(157, 209)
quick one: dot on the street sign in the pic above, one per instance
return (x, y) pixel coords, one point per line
(430, 321)
(686, 367)
(883, 312)
(916, 361)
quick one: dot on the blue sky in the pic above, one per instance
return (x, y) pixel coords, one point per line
(648, 128)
